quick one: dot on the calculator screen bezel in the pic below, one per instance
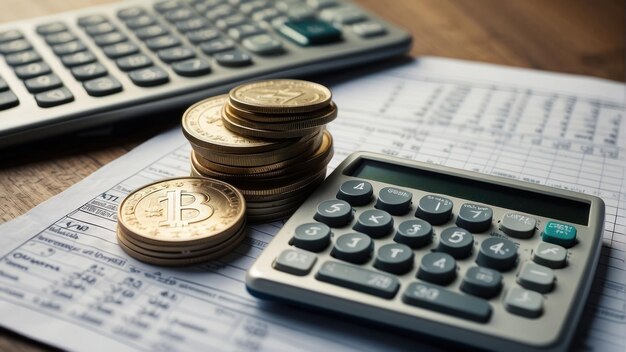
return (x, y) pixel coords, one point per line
(469, 185)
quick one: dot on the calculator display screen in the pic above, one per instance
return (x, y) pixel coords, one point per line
(506, 197)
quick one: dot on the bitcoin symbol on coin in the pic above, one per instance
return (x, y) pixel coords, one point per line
(178, 211)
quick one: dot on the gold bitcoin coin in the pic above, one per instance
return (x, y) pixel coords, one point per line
(202, 126)
(305, 188)
(312, 121)
(280, 96)
(234, 124)
(270, 118)
(182, 211)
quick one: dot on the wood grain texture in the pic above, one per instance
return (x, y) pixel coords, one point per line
(571, 36)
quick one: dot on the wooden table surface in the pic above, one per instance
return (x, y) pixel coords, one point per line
(571, 36)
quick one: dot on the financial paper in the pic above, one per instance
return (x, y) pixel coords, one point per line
(64, 280)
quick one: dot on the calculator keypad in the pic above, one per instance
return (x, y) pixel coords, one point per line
(353, 247)
(438, 268)
(334, 213)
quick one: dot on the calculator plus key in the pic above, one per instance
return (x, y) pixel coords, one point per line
(394, 200)
(334, 213)
(438, 268)
(482, 282)
(518, 225)
(456, 241)
(497, 253)
(355, 192)
(394, 258)
(550, 255)
(312, 236)
(523, 302)
(415, 233)
(434, 209)
(374, 222)
(474, 217)
(353, 247)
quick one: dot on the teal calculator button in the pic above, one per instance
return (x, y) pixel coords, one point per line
(310, 32)
(559, 233)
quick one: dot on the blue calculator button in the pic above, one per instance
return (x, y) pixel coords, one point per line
(559, 233)
(310, 32)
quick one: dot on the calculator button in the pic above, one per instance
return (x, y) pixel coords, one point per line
(550, 255)
(102, 86)
(438, 268)
(133, 62)
(217, 45)
(43, 83)
(149, 77)
(202, 35)
(343, 15)
(220, 11)
(192, 68)
(54, 97)
(474, 217)
(356, 278)
(482, 282)
(414, 233)
(266, 14)
(91, 20)
(50, 28)
(59, 38)
(77, 59)
(168, 5)
(559, 233)
(369, 29)
(130, 12)
(536, 277)
(14, 46)
(162, 42)
(313, 236)
(263, 44)
(120, 49)
(301, 13)
(89, 71)
(101, 28)
(374, 222)
(179, 14)
(295, 262)
(518, 225)
(178, 53)
(393, 200)
(8, 36)
(231, 21)
(310, 32)
(441, 300)
(140, 22)
(68, 48)
(8, 100)
(192, 24)
(22, 58)
(151, 32)
(355, 192)
(434, 209)
(109, 38)
(497, 253)
(322, 4)
(233, 58)
(456, 241)
(334, 213)
(523, 302)
(245, 30)
(395, 258)
(353, 247)
(250, 7)
(32, 70)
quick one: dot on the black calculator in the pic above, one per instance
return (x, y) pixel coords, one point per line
(489, 262)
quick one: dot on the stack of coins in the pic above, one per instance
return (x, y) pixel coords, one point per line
(181, 221)
(265, 138)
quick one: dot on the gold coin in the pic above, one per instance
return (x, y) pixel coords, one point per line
(234, 124)
(280, 96)
(236, 241)
(182, 211)
(305, 188)
(306, 144)
(271, 188)
(271, 217)
(202, 126)
(272, 210)
(267, 117)
(297, 198)
(312, 121)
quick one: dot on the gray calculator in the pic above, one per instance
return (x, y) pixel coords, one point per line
(485, 261)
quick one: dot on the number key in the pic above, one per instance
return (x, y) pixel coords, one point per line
(456, 241)
(102, 86)
(395, 258)
(355, 192)
(438, 268)
(434, 209)
(353, 247)
(43, 83)
(32, 70)
(89, 71)
(313, 236)
(474, 217)
(334, 213)
(497, 253)
(148, 77)
(414, 233)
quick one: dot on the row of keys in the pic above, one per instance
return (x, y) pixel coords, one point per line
(480, 282)
(436, 210)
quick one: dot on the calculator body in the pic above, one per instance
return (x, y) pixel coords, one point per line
(494, 321)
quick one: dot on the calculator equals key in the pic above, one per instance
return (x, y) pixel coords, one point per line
(420, 244)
